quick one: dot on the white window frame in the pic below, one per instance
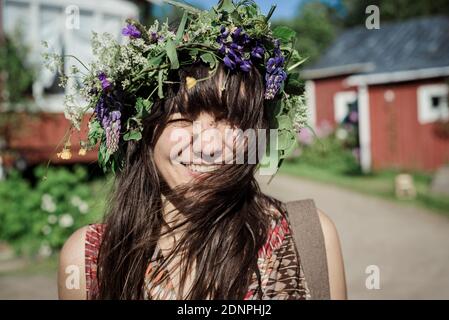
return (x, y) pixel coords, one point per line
(426, 113)
(341, 101)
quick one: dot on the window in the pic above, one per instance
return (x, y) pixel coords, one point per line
(344, 103)
(433, 103)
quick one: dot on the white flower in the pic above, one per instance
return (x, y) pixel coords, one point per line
(47, 203)
(341, 134)
(75, 201)
(66, 220)
(45, 250)
(83, 207)
(154, 27)
(52, 219)
(46, 230)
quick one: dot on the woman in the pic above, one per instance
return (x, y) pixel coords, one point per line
(194, 225)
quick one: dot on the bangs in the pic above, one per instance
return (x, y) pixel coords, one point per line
(236, 97)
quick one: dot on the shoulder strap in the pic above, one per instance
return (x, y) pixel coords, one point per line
(308, 235)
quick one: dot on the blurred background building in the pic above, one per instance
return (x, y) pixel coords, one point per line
(395, 79)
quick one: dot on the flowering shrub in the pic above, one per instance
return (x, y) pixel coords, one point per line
(38, 219)
(328, 150)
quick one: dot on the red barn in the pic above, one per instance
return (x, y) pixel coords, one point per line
(396, 77)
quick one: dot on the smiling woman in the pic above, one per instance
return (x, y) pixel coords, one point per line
(185, 219)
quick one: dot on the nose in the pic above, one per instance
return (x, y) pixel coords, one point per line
(207, 142)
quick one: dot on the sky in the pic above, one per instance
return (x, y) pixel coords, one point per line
(284, 9)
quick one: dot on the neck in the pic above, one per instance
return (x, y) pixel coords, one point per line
(172, 217)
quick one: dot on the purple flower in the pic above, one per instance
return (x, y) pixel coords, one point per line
(108, 114)
(235, 49)
(229, 63)
(131, 31)
(246, 65)
(112, 127)
(105, 84)
(276, 74)
(258, 51)
(155, 37)
(100, 109)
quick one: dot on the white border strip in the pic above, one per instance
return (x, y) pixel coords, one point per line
(311, 102)
(398, 76)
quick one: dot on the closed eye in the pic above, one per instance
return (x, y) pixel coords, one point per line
(181, 122)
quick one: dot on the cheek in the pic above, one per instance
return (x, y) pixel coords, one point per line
(171, 142)
(162, 150)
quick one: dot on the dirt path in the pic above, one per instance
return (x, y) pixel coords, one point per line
(410, 245)
(28, 287)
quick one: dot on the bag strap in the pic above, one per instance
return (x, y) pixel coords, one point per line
(308, 235)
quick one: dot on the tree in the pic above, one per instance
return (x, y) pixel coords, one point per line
(316, 25)
(396, 10)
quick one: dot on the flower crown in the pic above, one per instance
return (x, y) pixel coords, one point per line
(237, 35)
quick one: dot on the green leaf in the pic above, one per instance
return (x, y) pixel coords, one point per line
(285, 34)
(95, 132)
(284, 122)
(209, 58)
(294, 85)
(156, 61)
(288, 151)
(132, 135)
(183, 6)
(172, 54)
(193, 53)
(103, 156)
(286, 140)
(143, 107)
(226, 5)
(182, 26)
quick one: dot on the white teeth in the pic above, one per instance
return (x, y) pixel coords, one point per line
(202, 169)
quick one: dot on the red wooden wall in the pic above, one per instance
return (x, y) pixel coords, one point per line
(36, 137)
(398, 140)
(325, 89)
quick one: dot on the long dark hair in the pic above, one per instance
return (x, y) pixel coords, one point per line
(225, 223)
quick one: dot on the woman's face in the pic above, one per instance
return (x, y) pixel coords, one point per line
(188, 148)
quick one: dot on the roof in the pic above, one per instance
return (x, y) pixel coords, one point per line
(416, 44)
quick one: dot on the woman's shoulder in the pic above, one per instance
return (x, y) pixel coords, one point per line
(73, 259)
(83, 238)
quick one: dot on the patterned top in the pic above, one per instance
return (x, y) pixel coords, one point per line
(280, 268)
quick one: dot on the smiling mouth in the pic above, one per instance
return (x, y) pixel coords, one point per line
(200, 168)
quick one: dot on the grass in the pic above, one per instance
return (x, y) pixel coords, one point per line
(379, 184)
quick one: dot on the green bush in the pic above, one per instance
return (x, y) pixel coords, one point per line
(330, 153)
(38, 219)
